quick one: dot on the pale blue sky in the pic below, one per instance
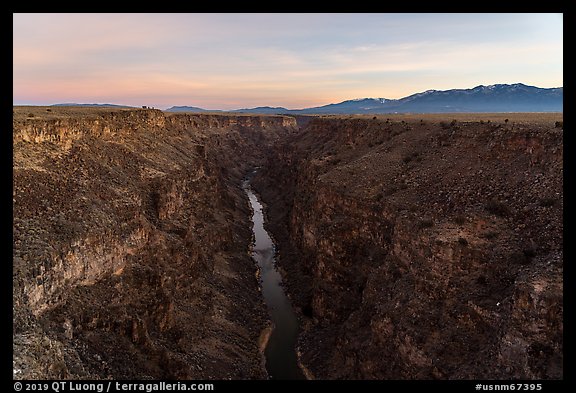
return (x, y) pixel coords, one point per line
(229, 61)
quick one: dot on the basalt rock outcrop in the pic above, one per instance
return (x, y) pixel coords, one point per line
(130, 244)
(417, 248)
(413, 247)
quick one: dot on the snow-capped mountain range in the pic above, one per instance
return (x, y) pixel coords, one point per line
(516, 97)
(493, 98)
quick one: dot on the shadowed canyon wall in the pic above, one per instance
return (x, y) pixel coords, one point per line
(421, 249)
(131, 238)
(412, 248)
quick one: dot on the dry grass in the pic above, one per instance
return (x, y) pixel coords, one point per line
(527, 117)
(59, 112)
(55, 112)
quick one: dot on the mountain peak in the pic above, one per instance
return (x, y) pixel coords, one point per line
(381, 100)
(516, 97)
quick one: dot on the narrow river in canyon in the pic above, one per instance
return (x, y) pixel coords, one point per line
(280, 352)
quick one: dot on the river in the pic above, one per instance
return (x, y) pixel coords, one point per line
(280, 352)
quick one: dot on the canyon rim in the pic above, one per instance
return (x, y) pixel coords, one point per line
(411, 246)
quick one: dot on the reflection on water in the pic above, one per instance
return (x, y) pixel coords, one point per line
(280, 351)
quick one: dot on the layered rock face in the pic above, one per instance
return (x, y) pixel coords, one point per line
(412, 248)
(131, 238)
(422, 249)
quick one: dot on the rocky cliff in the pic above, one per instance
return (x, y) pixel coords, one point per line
(423, 249)
(131, 236)
(413, 247)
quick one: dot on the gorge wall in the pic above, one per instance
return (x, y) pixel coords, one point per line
(412, 248)
(131, 238)
(422, 249)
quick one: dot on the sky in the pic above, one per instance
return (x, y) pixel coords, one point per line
(232, 61)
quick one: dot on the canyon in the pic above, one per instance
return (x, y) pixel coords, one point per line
(411, 246)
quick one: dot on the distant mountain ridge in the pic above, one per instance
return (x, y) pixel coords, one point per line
(516, 97)
(189, 109)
